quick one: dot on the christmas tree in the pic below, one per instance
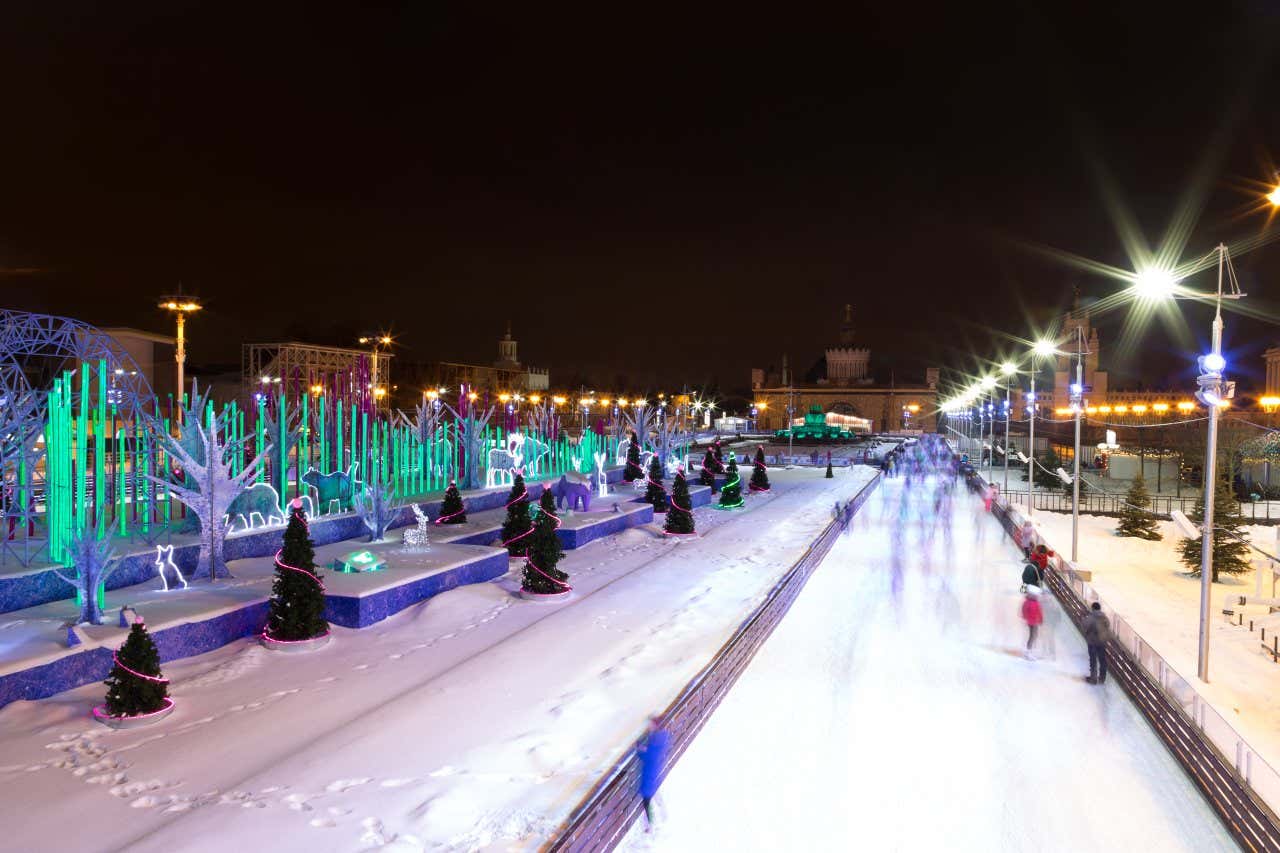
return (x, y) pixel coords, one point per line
(680, 517)
(709, 467)
(1230, 553)
(1046, 471)
(1135, 519)
(719, 451)
(731, 493)
(633, 471)
(540, 573)
(518, 525)
(297, 594)
(829, 475)
(759, 473)
(135, 685)
(656, 493)
(452, 511)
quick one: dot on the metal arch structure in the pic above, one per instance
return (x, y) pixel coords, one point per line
(36, 348)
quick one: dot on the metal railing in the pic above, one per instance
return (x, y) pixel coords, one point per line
(606, 813)
(1238, 783)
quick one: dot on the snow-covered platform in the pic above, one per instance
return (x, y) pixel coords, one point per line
(35, 660)
(609, 514)
(21, 588)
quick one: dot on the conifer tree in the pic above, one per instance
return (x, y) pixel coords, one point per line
(707, 477)
(760, 474)
(680, 517)
(731, 492)
(545, 552)
(452, 510)
(656, 494)
(135, 684)
(296, 609)
(1135, 519)
(829, 475)
(518, 526)
(633, 471)
(1046, 470)
(1230, 554)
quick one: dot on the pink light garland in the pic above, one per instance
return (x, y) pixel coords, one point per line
(100, 712)
(158, 680)
(564, 586)
(267, 636)
(284, 565)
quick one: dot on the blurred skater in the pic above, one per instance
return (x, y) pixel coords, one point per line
(1033, 615)
(1097, 630)
(1031, 576)
(652, 752)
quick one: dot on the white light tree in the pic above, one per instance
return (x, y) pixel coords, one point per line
(377, 506)
(93, 561)
(208, 487)
(669, 438)
(471, 441)
(641, 420)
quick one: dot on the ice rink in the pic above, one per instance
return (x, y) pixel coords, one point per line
(893, 710)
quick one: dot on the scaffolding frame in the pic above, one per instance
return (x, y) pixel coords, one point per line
(297, 369)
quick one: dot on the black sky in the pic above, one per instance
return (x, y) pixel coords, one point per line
(640, 190)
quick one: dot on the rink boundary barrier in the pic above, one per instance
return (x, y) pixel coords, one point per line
(1244, 814)
(605, 814)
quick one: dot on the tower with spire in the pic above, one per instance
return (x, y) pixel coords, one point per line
(508, 355)
(846, 363)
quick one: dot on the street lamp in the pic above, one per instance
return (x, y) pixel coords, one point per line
(382, 340)
(1214, 392)
(1007, 370)
(181, 306)
(1042, 349)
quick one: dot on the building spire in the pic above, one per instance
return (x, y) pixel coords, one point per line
(846, 327)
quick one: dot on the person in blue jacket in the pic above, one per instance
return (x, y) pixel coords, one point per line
(652, 752)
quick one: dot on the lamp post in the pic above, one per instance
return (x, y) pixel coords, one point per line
(1042, 348)
(1077, 403)
(181, 306)
(1008, 370)
(1157, 283)
(376, 341)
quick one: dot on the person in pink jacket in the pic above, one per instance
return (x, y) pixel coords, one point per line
(1033, 615)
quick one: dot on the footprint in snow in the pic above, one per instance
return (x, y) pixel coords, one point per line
(397, 783)
(323, 823)
(344, 784)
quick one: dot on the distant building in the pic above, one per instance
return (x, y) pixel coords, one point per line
(845, 386)
(154, 355)
(505, 374)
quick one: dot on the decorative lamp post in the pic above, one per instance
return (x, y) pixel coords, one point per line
(1008, 370)
(180, 307)
(1043, 348)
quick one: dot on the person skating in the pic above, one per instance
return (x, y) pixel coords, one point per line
(1097, 630)
(1040, 556)
(1033, 615)
(1032, 576)
(652, 752)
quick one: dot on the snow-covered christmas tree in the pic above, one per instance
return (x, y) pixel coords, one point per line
(518, 526)
(680, 517)
(297, 593)
(759, 473)
(1135, 519)
(545, 552)
(135, 685)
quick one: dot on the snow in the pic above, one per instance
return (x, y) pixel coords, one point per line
(1146, 584)
(875, 720)
(471, 721)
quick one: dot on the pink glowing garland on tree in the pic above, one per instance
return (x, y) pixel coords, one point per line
(564, 587)
(752, 487)
(265, 634)
(674, 505)
(444, 518)
(100, 711)
(524, 496)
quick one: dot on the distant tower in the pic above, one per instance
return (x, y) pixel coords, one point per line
(508, 357)
(847, 364)
(786, 371)
(846, 327)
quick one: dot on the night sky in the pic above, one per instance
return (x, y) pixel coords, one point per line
(645, 193)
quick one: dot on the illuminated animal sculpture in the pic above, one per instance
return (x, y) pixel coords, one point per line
(336, 486)
(416, 537)
(260, 499)
(164, 562)
(573, 490)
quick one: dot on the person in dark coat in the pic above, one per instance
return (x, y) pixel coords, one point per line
(1097, 630)
(652, 752)
(1032, 576)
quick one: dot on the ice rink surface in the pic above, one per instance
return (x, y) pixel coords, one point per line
(893, 710)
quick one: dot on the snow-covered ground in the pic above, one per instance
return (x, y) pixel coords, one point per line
(892, 710)
(472, 721)
(1147, 584)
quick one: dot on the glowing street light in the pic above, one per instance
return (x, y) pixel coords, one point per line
(1154, 284)
(1274, 197)
(180, 307)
